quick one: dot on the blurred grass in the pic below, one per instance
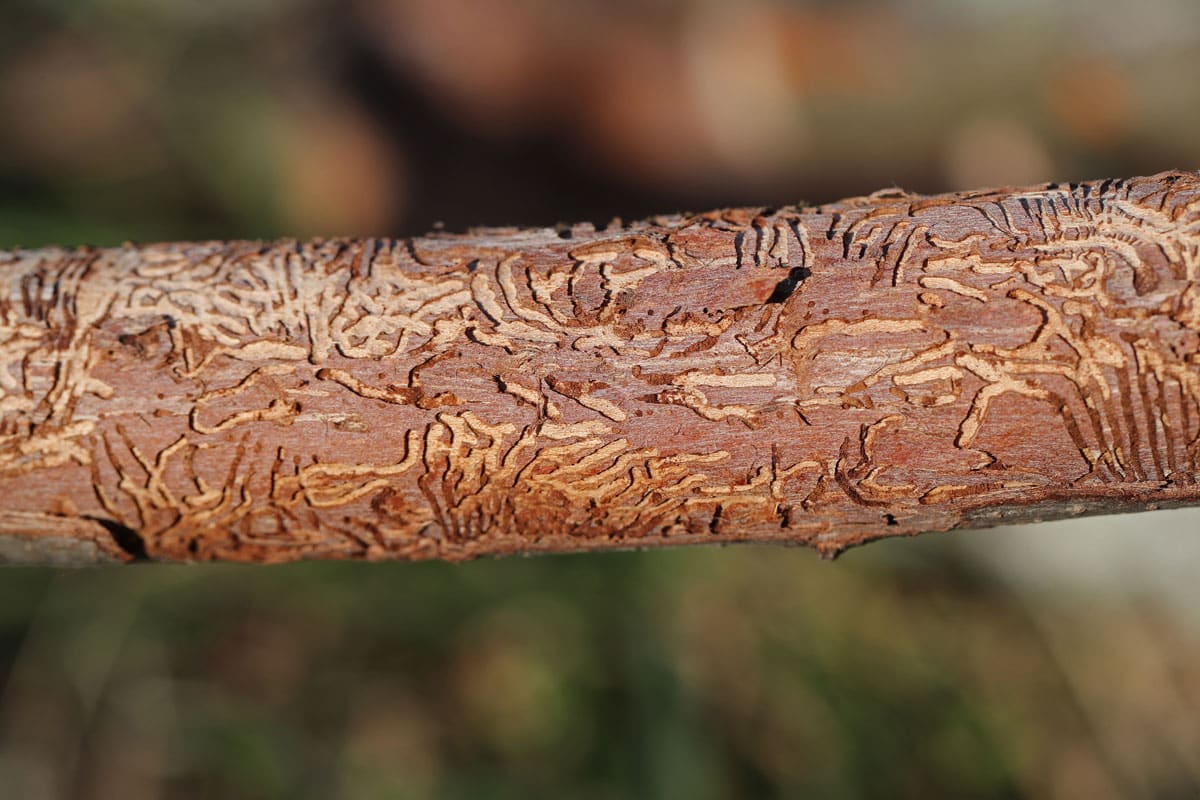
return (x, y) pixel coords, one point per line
(901, 671)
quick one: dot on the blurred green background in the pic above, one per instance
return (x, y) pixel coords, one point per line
(1060, 660)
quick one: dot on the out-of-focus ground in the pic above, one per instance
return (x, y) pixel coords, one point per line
(1060, 660)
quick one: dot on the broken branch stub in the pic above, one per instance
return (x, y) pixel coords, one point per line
(823, 376)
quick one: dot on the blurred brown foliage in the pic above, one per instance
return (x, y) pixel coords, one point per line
(383, 117)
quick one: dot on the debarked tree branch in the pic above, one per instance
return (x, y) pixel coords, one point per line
(823, 376)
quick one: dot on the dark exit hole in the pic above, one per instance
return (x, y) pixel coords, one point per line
(785, 288)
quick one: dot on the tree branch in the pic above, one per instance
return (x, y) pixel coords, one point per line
(822, 376)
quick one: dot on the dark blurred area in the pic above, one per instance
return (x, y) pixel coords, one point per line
(1060, 660)
(193, 118)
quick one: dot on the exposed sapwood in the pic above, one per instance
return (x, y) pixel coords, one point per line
(823, 376)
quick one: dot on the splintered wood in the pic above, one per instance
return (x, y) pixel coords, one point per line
(824, 376)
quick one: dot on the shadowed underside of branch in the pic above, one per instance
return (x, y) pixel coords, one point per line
(822, 376)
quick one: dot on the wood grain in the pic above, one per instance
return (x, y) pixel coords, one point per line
(823, 376)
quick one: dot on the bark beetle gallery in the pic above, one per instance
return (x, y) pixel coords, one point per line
(824, 376)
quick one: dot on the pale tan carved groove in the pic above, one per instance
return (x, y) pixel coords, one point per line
(823, 375)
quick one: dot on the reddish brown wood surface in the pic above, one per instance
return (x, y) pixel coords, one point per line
(823, 376)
